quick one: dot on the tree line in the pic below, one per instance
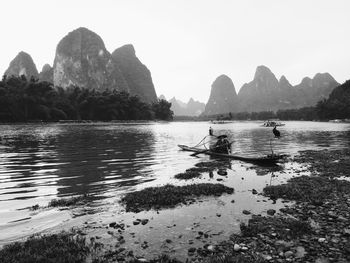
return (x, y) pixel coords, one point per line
(24, 100)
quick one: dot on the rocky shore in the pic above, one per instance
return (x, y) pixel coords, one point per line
(314, 228)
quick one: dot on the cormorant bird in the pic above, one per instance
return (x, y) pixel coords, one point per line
(276, 132)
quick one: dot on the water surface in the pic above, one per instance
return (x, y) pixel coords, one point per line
(41, 162)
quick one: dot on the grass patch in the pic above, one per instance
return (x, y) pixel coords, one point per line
(58, 248)
(69, 201)
(200, 169)
(314, 189)
(34, 207)
(211, 165)
(187, 175)
(196, 172)
(170, 195)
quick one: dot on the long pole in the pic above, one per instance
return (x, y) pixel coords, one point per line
(271, 147)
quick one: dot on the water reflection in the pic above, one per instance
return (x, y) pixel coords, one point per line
(98, 159)
(27, 161)
(41, 162)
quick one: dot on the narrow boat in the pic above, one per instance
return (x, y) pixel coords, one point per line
(267, 159)
(272, 123)
(220, 122)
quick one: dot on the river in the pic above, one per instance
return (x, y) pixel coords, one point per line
(40, 162)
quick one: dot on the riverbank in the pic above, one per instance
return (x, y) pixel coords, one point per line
(314, 229)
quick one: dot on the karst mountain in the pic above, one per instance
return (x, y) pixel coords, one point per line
(82, 60)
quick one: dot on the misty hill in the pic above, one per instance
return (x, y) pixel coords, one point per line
(46, 73)
(261, 93)
(310, 91)
(223, 97)
(191, 108)
(136, 74)
(22, 64)
(266, 93)
(82, 60)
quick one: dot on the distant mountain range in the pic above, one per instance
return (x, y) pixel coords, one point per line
(82, 60)
(191, 108)
(266, 93)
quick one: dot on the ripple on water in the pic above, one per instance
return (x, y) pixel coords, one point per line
(42, 162)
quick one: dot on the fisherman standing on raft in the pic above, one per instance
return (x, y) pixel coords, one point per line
(211, 131)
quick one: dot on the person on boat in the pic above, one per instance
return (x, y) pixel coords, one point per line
(211, 131)
(222, 145)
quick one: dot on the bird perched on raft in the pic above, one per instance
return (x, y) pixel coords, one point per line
(276, 132)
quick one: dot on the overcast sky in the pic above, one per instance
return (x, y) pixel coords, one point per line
(186, 44)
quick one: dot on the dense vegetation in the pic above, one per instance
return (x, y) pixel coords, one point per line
(28, 100)
(337, 106)
(63, 247)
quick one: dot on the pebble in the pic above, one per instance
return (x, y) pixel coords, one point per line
(271, 212)
(191, 250)
(246, 212)
(300, 252)
(288, 254)
(321, 239)
(236, 247)
(144, 221)
(210, 247)
(267, 257)
(222, 172)
(346, 231)
(112, 224)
